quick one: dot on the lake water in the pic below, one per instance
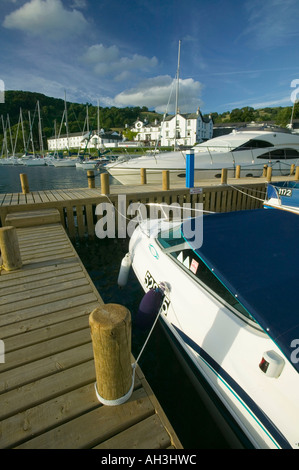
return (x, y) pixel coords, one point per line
(181, 403)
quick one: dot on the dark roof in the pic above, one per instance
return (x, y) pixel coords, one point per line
(189, 116)
(255, 255)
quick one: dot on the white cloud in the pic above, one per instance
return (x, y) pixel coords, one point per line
(272, 23)
(157, 92)
(47, 18)
(107, 61)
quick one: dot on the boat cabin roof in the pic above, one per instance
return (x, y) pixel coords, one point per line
(255, 256)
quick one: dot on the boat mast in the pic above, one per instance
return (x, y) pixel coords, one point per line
(40, 131)
(4, 143)
(177, 94)
(66, 124)
(31, 135)
(10, 135)
(291, 123)
(23, 132)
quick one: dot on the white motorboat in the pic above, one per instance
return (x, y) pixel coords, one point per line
(65, 162)
(283, 195)
(88, 164)
(229, 309)
(250, 147)
(10, 161)
(37, 161)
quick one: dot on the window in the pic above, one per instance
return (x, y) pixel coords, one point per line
(174, 245)
(253, 144)
(280, 153)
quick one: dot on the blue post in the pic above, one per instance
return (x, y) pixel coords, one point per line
(190, 169)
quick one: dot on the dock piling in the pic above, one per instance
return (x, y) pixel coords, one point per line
(24, 183)
(143, 175)
(105, 183)
(269, 174)
(165, 180)
(10, 251)
(297, 174)
(91, 179)
(224, 176)
(110, 326)
(238, 171)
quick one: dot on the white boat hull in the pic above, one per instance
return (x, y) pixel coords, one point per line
(223, 350)
(275, 149)
(64, 163)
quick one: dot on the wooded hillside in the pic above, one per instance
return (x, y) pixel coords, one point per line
(52, 114)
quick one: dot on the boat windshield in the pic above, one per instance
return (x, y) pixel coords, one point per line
(253, 144)
(173, 244)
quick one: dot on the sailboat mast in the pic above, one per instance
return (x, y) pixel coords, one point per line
(40, 131)
(31, 135)
(177, 94)
(23, 132)
(66, 123)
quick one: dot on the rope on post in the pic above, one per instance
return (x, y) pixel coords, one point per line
(110, 326)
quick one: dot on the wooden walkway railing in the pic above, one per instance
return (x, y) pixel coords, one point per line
(77, 207)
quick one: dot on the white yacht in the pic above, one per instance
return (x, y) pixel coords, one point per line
(35, 161)
(251, 147)
(229, 308)
(65, 162)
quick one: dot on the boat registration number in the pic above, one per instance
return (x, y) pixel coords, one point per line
(284, 192)
(150, 283)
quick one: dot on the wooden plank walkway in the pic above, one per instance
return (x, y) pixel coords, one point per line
(77, 207)
(47, 396)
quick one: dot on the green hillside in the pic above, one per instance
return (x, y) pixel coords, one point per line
(52, 112)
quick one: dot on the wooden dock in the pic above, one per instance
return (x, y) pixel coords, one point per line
(47, 395)
(77, 207)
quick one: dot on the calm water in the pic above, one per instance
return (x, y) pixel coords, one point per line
(44, 177)
(102, 259)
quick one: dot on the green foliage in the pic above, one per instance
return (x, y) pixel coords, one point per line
(52, 111)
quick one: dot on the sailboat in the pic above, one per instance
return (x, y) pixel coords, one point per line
(37, 160)
(66, 161)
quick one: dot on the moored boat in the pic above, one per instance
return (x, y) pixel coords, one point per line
(251, 147)
(229, 309)
(283, 195)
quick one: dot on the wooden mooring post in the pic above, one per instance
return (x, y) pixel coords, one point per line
(9, 247)
(24, 183)
(297, 174)
(105, 183)
(269, 174)
(143, 175)
(224, 176)
(110, 326)
(165, 180)
(91, 179)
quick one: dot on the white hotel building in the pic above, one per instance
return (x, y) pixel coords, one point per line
(80, 141)
(190, 129)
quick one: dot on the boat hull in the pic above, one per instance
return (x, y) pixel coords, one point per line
(222, 349)
(284, 196)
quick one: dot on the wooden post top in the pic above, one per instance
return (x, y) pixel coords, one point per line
(108, 315)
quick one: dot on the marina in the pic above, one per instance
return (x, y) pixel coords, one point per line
(75, 210)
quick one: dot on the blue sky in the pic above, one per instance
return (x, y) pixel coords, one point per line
(234, 53)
